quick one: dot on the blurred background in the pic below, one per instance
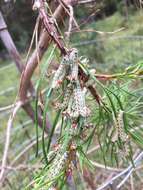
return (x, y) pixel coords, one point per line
(111, 37)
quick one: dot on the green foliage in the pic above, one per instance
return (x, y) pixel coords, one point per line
(116, 121)
(112, 51)
(116, 124)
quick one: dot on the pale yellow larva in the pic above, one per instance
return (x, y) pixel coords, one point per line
(67, 96)
(74, 65)
(36, 5)
(120, 123)
(79, 105)
(60, 73)
(51, 155)
(58, 166)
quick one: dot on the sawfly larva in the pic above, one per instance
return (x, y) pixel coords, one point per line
(67, 96)
(120, 125)
(60, 73)
(74, 65)
(79, 106)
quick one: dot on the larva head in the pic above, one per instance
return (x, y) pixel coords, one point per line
(56, 147)
(36, 5)
(59, 82)
(57, 105)
(74, 125)
(73, 146)
(65, 60)
(89, 125)
(52, 188)
(74, 54)
(66, 155)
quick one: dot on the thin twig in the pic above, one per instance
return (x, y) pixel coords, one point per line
(93, 149)
(23, 167)
(7, 143)
(25, 150)
(132, 182)
(98, 31)
(126, 172)
(66, 7)
(101, 166)
(70, 21)
(43, 44)
(5, 108)
(86, 1)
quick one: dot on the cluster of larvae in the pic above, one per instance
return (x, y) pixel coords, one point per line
(60, 163)
(73, 107)
(73, 104)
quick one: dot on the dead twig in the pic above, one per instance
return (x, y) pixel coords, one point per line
(86, 1)
(70, 21)
(132, 182)
(23, 167)
(98, 31)
(7, 143)
(126, 172)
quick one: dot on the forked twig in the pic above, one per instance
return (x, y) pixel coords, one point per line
(128, 171)
(43, 44)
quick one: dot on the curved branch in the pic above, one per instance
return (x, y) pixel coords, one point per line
(43, 44)
(11, 48)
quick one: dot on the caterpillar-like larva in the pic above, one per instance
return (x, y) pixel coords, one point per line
(73, 131)
(73, 109)
(52, 188)
(79, 106)
(120, 125)
(54, 152)
(67, 112)
(58, 165)
(36, 5)
(73, 55)
(62, 163)
(67, 96)
(60, 73)
(74, 65)
(51, 155)
(74, 71)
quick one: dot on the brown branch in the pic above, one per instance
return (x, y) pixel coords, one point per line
(68, 10)
(89, 178)
(94, 94)
(49, 25)
(43, 44)
(7, 41)
(52, 34)
(11, 48)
